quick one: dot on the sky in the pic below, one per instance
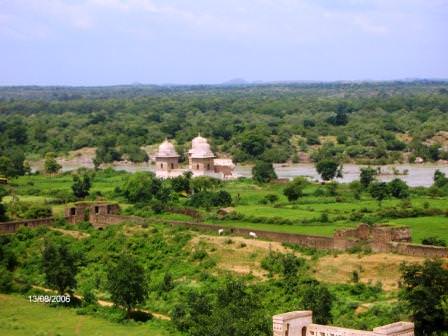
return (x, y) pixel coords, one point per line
(111, 42)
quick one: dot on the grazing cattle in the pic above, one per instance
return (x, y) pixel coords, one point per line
(221, 232)
(252, 234)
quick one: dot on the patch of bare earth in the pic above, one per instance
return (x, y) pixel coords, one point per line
(71, 233)
(381, 267)
(237, 254)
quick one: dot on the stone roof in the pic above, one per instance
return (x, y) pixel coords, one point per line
(166, 149)
(224, 162)
(200, 148)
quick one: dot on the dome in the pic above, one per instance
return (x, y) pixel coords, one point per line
(201, 150)
(166, 149)
(198, 140)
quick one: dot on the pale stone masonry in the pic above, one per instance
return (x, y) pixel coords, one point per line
(300, 323)
(201, 161)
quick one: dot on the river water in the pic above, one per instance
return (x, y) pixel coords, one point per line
(417, 174)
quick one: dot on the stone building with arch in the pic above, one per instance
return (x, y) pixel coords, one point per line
(300, 323)
(201, 161)
(167, 160)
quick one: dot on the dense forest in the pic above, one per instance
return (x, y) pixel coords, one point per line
(378, 122)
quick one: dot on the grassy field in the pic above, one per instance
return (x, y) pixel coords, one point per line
(425, 226)
(305, 214)
(338, 209)
(19, 317)
(311, 229)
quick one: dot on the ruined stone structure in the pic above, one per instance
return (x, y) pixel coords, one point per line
(13, 226)
(201, 161)
(376, 237)
(299, 323)
(95, 213)
(379, 238)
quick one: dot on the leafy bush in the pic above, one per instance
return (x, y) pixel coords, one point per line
(435, 241)
(37, 211)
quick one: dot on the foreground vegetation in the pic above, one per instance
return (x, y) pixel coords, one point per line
(154, 269)
(19, 317)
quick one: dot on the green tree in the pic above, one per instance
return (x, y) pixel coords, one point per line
(204, 183)
(440, 179)
(253, 143)
(367, 176)
(379, 191)
(233, 309)
(182, 183)
(398, 189)
(106, 151)
(127, 283)
(81, 185)
(12, 163)
(60, 267)
(263, 172)
(317, 297)
(222, 198)
(424, 291)
(141, 187)
(327, 169)
(294, 189)
(51, 166)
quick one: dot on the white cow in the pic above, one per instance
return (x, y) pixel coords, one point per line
(252, 234)
(221, 232)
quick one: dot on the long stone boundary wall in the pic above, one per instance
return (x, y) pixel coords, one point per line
(418, 250)
(11, 227)
(318, 242)
(342, 240)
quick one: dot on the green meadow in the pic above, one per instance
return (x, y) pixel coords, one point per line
(317, 212)
(19, 317)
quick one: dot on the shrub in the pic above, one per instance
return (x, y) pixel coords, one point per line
(435, 241)
(5, 280)
(263, 172)
(199, 254)
(37, 211)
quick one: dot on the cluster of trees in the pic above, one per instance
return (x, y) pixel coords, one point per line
(126, 278)
(396, 188)
(202, 192)
(375, 122)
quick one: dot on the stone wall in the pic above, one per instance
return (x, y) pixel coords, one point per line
(378, 238)
(318, 242)
(418, 250)
(11, 227)
(103, 220)
(299, 323)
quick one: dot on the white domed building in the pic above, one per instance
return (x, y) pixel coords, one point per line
(201, 161)
(167, 160)
(200, 157)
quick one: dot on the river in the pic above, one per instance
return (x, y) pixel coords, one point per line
(417, 174)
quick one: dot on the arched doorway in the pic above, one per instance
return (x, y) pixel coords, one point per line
(304, 331)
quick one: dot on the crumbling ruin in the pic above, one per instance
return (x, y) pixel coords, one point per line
(300, 323)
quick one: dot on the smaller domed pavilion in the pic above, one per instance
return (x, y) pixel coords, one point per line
(166, 158)
(200, 156)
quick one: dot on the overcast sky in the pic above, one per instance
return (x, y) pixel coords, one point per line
(103, 42)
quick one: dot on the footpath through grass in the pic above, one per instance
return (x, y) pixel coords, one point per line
(19, 317)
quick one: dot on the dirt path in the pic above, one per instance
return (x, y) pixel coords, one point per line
(71, 233)
(105, 303)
